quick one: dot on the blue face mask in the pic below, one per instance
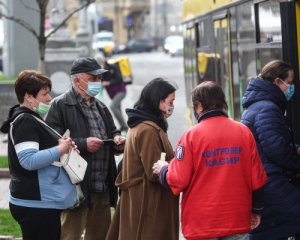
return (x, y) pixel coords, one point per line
(93, 88)
(290, 90)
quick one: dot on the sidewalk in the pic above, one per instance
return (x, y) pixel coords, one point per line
(3, 146)
(4, 182)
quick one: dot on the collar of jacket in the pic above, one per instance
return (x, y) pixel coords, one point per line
(71, 97)
(212, 113)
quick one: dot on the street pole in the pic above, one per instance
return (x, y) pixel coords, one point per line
(165, 18)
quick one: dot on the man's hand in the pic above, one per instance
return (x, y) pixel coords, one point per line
(93, 144)
(255, 220)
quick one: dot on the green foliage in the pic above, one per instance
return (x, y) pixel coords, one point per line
(6, 79)
(3, 162)
(8, 226)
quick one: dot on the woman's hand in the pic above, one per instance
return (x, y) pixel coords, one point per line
(255, 220)
(64, 145)
(158, 166)
(119, 140)
(298, 150)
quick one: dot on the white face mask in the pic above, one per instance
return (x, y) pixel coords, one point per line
(168, 111)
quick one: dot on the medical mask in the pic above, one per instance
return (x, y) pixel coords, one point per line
(169, 110)
(42, 109)
(290, 90)
(93, 88)
(196, 115)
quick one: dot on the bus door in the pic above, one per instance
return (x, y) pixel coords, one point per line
(223, 63)
(190, 66)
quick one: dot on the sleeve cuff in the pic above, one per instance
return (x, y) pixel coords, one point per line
(162, 177)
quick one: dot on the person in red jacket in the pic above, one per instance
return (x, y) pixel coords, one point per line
(219, 171)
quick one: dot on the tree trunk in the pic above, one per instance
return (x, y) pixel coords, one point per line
(42, 64)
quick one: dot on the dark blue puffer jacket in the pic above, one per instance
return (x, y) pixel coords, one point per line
(265, 105)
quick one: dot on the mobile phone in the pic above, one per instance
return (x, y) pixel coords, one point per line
(108, 142)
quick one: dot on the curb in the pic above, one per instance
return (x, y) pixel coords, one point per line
(6, 238)
(4, 173)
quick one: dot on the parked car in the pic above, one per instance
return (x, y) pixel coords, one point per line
(139, 45)
(174, 45)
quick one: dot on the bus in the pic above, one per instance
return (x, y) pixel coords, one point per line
(229, 41)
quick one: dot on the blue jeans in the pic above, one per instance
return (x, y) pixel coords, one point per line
(233, 237)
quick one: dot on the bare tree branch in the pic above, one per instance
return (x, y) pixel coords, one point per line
(2, 4)
(22, 23)
(29, 7)
(88, 2)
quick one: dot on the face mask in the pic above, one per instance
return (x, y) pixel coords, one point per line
(290, 90)
(169, 110)
(93, 88)
(196, 115)
(42, 109)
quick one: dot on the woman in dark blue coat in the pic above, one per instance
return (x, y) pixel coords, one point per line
(265, 103)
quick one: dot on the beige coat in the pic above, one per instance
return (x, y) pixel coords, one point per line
(146, 211)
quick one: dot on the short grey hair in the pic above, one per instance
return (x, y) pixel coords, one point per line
(77, 75)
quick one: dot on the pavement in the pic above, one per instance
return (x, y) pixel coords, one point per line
(4, 181)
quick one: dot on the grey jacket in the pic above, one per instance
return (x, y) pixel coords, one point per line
(66, 113)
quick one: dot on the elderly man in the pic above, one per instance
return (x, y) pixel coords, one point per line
(90, 124)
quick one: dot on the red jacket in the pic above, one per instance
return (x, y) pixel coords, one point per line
(217, 167)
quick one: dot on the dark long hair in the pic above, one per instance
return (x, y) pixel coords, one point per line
(155, 91)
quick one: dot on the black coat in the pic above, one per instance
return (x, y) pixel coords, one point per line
(66, 113)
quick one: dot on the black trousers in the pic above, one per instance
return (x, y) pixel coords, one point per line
(37, 223)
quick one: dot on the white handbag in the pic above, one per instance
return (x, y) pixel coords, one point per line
(72, 162)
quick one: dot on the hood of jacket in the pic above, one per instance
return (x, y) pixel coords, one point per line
(262, 90)
(13, 113)
(135, 117)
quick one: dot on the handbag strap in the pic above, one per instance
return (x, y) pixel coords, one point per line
(11, 127)
(45, 124)
(55, 163)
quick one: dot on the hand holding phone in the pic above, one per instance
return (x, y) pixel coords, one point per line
(108, 142)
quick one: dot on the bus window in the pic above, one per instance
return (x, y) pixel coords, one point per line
(269, 22)
(243, 52)
(269, 37)
(223, 70)
(204, 32)
(190, 69)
